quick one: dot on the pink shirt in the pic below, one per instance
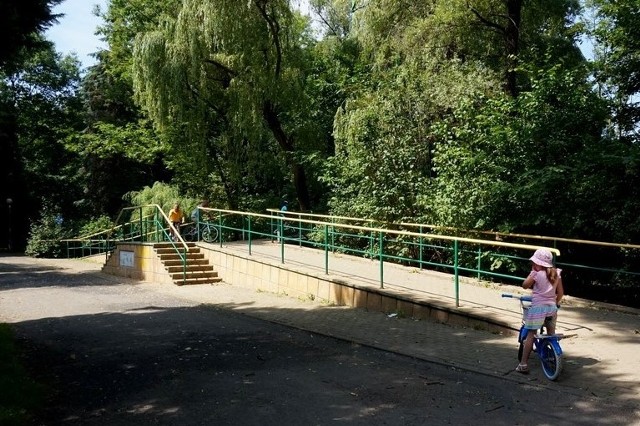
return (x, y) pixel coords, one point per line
(543, 291)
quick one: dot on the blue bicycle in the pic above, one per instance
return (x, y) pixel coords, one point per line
(546, 346)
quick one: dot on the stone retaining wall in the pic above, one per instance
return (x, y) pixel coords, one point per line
(137, 261)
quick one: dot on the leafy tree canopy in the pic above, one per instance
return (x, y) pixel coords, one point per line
(20, 23)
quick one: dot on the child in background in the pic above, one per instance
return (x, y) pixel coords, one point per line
(176, 217)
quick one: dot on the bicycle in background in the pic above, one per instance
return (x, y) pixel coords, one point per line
(208, 232)
(546, 346)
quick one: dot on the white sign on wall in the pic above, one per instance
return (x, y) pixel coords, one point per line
(126, 258)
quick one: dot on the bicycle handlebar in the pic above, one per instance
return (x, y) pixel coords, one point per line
(526, 298)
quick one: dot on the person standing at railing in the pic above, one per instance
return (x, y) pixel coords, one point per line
(546, 283)
(196, 217)
(284, 206)
(196, 214)
(176, 217)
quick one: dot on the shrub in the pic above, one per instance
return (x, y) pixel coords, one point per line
(45, 235)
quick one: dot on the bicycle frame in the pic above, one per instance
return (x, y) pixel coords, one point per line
(546, 346)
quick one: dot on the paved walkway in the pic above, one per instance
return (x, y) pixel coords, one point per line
(601, 356)
(600, 359)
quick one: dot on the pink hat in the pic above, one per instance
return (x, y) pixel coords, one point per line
(542, 257)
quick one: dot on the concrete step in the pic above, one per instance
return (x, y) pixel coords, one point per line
(175, 256)
(171, 245)
(178, 262)
(194, 275)
(190, 268)
(194, 281)
(171, 250)
(197, 269)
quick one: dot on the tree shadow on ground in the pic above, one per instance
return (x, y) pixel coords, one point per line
(210, 365)
(248, 363)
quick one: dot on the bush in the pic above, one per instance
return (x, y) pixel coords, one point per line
(96, 225)
(45, 235)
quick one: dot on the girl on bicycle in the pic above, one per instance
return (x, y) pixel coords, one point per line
(546, 283)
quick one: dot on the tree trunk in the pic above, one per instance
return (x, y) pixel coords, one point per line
(511, 34)
(512, 40)
(297, 170)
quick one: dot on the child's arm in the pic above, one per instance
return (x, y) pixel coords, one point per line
(559, 290)
(529, 281)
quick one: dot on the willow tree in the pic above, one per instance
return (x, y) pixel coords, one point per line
(230, 75)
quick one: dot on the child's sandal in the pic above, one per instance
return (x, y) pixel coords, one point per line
(524, 369)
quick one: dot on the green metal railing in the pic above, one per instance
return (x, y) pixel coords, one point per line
(140, 224)
(99, 242)
(609, 271)
(384, 245)
(483, 255)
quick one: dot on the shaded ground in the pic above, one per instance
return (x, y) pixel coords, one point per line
(123, 353)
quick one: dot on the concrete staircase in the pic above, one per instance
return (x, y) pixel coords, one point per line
(198, 270)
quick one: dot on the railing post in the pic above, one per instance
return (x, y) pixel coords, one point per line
(220, 227)
(456, 277)
(199, 212)
(156, 222)
(249, 230)
(381, 261)
(326, 249)
(281, 238)
(141, 233)
(420, 243)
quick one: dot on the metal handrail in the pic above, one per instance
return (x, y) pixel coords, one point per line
(441, 251)
(379, 238)
(449, 228)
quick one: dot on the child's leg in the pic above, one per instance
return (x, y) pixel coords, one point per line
(528, 347)
(550, 323)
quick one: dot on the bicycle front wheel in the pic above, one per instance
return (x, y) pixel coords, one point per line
(209, 234)
(189, 235)
(551, 360)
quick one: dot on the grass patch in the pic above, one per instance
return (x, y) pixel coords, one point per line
(20, 396)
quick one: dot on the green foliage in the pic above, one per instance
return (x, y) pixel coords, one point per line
(520, 164)
(95, 225)
(20, 396)
(163, 195)
(617, 49)
(385, 142)
(133, 141)
(41, 107)
(20, 24)
(229, 77)
(46, 233)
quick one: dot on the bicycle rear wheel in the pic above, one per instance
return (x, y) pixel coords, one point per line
(551, 360)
